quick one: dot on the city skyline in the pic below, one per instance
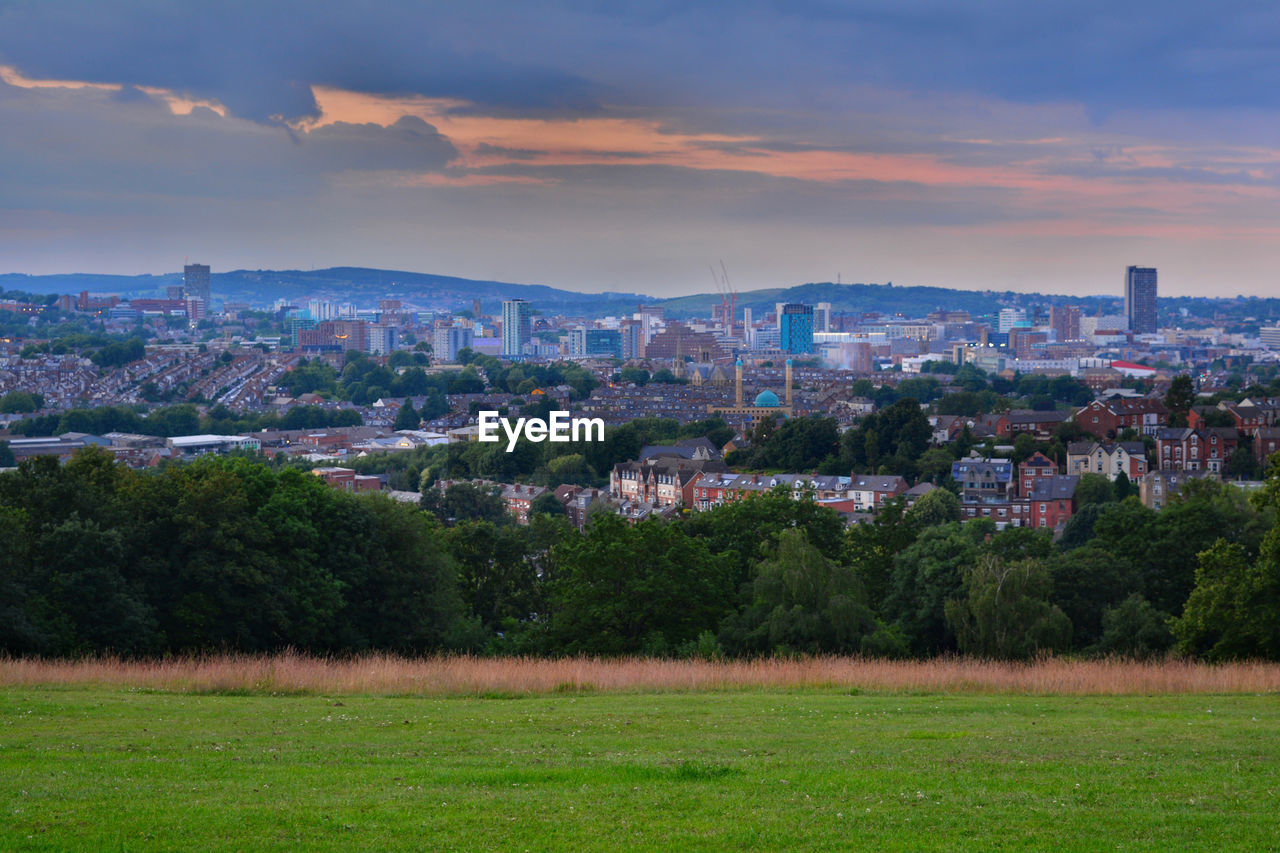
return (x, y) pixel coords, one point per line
(996, 148)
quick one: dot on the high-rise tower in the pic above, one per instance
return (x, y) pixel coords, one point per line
(1140, 299)
(517, 326)
(195, 279)
(795, 328)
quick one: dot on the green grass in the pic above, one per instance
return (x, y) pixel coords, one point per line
(109, 769)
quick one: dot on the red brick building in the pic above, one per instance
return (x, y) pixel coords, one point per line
(1107, 418)
(1037, 467)
(1187, 449)
(1266, 441)
(348, 480)
(1052, 501)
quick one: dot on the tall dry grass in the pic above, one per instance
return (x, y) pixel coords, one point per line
(382, 674)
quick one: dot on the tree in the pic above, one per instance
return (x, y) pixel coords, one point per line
(407, 417)
(1123, 488)
(801, 602)
(20, 402)
(6, 455)
(1179, 399)
(926, 575)
(1086, 582)
(1005, 611)
(1134, 628)
(624, 589)
(939, 506)
(1094, 489)
(870, 548)
(495, 577)
(935, 465)
(745, 531)
(1234, 610)
(798, 444)
(546, 504)
(1023, 446)
(464, 502)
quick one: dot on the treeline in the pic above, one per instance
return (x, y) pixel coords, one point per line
(979, 393)
(181, 419)
(230, 554)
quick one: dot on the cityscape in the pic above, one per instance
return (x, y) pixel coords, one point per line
(1088, 388)
(653, 426)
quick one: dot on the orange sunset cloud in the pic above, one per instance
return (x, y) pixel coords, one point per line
(490, 142)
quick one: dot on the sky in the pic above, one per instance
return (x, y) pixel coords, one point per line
(632, 146)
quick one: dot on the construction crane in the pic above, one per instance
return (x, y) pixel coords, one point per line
(728, 298)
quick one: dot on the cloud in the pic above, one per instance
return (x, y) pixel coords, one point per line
(80, 148)
(656, 130)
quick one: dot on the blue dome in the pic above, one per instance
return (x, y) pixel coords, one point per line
(767, 400)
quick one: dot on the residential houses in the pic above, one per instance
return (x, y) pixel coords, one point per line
(1041, 425)
(1156, 488)
(1035, 495)
(1106, 419)
(1188, 449)
(1109, 458)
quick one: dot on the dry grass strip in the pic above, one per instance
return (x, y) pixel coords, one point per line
(384, 674)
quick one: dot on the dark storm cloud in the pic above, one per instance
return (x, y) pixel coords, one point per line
(260, 59)
(92, 149)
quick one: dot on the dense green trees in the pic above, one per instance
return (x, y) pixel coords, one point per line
(797, 444)
(896, 436)
(623, 589)
(182, 419)
(1005, 611)
(220, 553)
(801, 601)
(20, 402)
(227, 553)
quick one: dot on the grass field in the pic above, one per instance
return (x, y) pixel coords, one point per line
(116, 768)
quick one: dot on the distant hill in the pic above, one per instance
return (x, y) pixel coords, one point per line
(356, 284)
(914, 301)
(365, 286)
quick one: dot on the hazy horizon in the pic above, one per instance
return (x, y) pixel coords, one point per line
(1001, 147)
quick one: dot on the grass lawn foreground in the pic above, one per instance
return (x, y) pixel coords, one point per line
(110, 768)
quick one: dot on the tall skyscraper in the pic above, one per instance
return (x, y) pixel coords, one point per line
(1140, 299)
(517, 326)
(195, 278)
(795, 328)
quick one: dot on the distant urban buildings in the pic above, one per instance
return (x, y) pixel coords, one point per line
(195, 279)
(822, 317)
(1011, 318)
(795, 328)
(382, 339)
(447, 340)
(1140, 299)
(595, 343)
(1065, 322)
(517, 326)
